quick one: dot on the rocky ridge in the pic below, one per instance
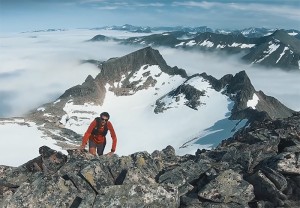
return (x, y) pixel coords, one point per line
(257, 167)
(238, 88)
(277, 49)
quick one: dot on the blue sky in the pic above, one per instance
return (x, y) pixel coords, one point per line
(24, 15)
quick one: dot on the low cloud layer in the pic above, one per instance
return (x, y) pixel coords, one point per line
(38, 67)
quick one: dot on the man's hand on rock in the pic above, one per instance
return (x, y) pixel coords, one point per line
(82, 147)
(110, 153)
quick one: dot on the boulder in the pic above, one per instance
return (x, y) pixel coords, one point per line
(228, 187)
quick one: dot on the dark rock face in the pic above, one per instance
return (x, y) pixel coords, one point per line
(276, 50)
(113, 70)
(102, 38)
(237, 88)
(89, 91)
(258, 167)
(191, 94)
(279, 49)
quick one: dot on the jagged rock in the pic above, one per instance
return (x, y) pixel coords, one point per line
(136, 176)
(183, 175)
(113, 69)
(52, 160)
(166, 157)
(49, 192)
(228, 187)
(264, 188)
(277, 178)
(286, 163)
(97, 176)
(150, 195)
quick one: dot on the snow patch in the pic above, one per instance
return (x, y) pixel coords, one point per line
(57, 101)
(25, 138)
(191, 43)
(272, 47)
(283, 52)
(140, 75)
(221, 46)
(199, 83)
(240, 45)
(247, 45)
(78, 117)
(293, 33)
(207, 43)
(180, 44)
(252, 103)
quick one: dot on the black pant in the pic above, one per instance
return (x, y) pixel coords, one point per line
(99, 147)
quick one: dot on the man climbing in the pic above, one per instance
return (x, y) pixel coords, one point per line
(96, 135)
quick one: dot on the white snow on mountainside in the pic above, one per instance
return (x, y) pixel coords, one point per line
(22, 141)
(138, 128)
(38, 67)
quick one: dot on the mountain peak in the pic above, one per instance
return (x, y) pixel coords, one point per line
(133, 62)
(287, 39)
(280, 33)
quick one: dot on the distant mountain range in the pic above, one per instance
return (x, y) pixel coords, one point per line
(251, 32)
(142, 87)
(279, 49)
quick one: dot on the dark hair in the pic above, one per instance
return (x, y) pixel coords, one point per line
(105, 114)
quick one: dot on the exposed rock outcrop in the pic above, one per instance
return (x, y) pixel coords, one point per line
(258, 167)
(237, 88)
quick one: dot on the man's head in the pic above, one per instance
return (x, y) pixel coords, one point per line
(104, 116)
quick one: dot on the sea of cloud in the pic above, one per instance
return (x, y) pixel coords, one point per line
(37, 67)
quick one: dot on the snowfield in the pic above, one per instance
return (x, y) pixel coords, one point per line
(21, 141)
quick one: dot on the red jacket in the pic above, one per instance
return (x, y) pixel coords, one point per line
(100, 138)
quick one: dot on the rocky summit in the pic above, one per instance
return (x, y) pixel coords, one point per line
(258, 167)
